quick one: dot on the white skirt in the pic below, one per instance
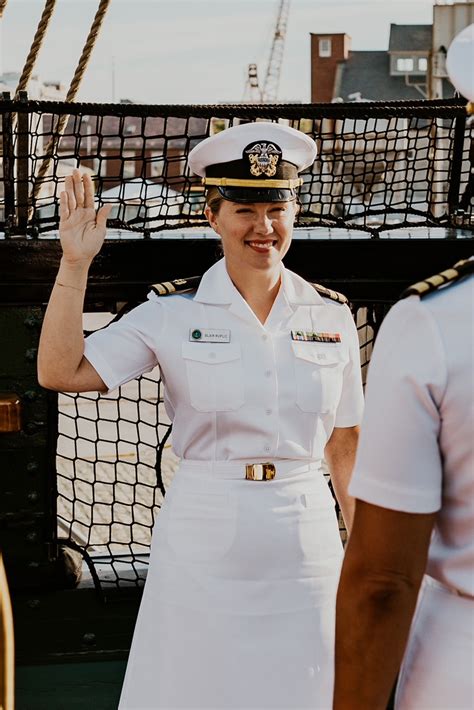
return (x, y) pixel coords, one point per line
(238, 607)
(438, 667)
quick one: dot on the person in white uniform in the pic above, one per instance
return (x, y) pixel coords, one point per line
(262, 380)
(414, 485)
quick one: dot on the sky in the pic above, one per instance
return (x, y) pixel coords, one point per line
(191, 51)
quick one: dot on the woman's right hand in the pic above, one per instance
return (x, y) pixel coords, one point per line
(81, 229)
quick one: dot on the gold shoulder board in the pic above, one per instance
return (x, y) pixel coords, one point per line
(422, 288)
(166, 288)
(329, 293)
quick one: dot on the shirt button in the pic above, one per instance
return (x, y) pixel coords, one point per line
(212, 356)
(266, 448)
(268, 373)
(268, 411)
(264, 337)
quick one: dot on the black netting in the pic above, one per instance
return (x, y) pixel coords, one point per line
(380, 166)
(111, 477)
(114, 464)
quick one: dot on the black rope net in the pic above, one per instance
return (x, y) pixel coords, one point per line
(380, 166)
(113, 468)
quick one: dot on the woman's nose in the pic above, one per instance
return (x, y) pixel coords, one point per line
(263, 225)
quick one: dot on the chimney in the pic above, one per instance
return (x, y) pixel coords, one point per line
(327, 50)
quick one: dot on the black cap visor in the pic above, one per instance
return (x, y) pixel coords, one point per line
(246, 195)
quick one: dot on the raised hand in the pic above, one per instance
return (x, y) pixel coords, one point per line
(81, 229)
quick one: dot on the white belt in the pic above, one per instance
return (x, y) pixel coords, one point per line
(250, 470)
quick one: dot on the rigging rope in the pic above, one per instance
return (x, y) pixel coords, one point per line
(71, 94)
(35, 47)
(87, 51)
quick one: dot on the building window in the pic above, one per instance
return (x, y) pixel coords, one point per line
(103, 161)
(325, 47)
(405, 64)
(129, 164)
(156, 166)
(422, 64)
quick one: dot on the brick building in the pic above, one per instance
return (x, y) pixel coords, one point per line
(123, 148)
(400, 72)
(412, 67)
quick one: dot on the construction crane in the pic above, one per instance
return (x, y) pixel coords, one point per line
(268, 93)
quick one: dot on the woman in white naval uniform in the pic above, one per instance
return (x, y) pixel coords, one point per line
(262, 380)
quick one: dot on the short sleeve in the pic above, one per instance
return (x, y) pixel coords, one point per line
(126, 349)
(351, 403)
(398, 464)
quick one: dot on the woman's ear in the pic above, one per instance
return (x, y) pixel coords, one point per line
(211, 218)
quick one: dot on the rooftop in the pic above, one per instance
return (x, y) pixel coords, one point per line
(410, 38)
(369, 73)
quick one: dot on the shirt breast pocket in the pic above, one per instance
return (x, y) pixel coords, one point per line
(318, 373)
(214, 375)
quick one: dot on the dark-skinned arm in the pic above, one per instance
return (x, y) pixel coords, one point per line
(383, 567)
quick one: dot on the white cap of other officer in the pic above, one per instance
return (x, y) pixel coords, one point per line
(460, 64)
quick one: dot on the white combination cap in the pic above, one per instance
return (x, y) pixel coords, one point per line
(460, 62)
(254, 162)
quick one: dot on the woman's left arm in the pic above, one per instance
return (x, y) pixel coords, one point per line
(340, 456)
(341, 448)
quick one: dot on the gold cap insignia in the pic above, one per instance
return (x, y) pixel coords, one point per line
(263, 158)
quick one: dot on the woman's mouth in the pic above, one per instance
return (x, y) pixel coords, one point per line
(262, 247)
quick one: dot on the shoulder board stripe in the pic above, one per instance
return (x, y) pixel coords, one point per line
(462, 268)
(166, 288)
(465, 266)
(329, 293)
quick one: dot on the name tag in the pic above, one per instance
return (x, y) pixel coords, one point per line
(311, 337)
(209, 335)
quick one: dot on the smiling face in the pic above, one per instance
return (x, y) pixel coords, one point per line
(255, 235)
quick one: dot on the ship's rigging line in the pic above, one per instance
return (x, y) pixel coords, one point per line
(35, 47)
(62, 120)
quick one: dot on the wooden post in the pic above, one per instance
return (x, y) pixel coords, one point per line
(23, 160)
(8, 157)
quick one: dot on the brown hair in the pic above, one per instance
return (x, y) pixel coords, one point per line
(214, 199)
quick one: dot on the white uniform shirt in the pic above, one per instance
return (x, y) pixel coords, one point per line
(260, 396)
(416, 447)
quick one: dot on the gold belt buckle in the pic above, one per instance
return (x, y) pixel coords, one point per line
(260, 471)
